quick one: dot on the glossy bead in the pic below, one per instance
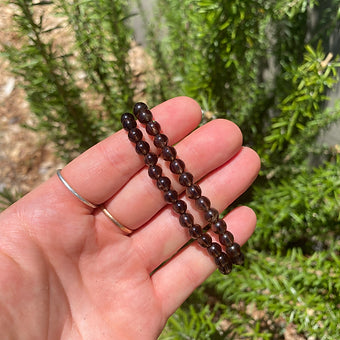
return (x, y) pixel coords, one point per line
(128, 121)
(155, 171)
(226, 269)
(163, 183)
(125, 116)
(180, 207)
(222, 260)
(135, 135)
(186, 220)
(150, 158)
(227, 238)
(215, 249)
(171, 196)
(205, 241)
(186, 179)
(195, 231)
(219, 227)
(139, 107)
(142, 147)
(239, 260)
(177, 166)
(145, 116)
(169, 153)
(211, 215)
(194, 191)
(153, 128)
(233, 250)
(202, 203)
(160, 140)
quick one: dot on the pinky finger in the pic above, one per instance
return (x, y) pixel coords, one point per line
(176, 280)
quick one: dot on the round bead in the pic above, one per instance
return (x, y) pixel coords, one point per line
(186, 220)
(222, 260)
(128, 121)
(135, 135)
(125, 116)
(171, 196)
(177, 166)
(142, 147)
(202, 203)
(153, 128)
(233, 250)
(211, 215)
(150, 158)
(163, 183)
(227, 238)
(155, 171)
(139, 107)
(205, 241)
(219, 227)
(194, 191)
(169, 153)
(215, 249)
(195, 231)
(180, 207)
(160, 140)
(145, 116)
(186, 179)
(239, 260)
(226, 269)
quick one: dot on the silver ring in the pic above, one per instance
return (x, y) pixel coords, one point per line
(85, 201)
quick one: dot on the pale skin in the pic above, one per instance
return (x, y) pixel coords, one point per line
(67, 272)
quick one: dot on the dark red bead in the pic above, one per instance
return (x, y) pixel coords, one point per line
(163, 183)
(186, 179)
(226, 269)
(150, 158)
(128, 121)
(233, 250)
(155, 171)
(219, 227)
(227, 238)
(186, 220)
(222, 260)
(177, 166)
(195, 231)
(171, 196)
(153, 128)
(125, 116)
(215, 249)
(211, 215)
(202, 203)
(160, 140)
(239, 260)
(205, 241)
(135, 135)
(194, 191)
(180, 207)
(145, 116)
(139, 107)
(169, 153)
(142, 147)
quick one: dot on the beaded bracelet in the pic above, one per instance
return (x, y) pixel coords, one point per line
(223, 260)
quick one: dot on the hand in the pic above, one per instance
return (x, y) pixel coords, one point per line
(67, 272)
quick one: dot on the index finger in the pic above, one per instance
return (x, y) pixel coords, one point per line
(101, 171)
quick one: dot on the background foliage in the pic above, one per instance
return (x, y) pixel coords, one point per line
(258, 63)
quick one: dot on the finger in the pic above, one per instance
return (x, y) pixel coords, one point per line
(190, 267)
(163, 236)
(102, 170)
(204, 150)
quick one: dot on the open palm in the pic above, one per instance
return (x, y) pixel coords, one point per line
(67, 272)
